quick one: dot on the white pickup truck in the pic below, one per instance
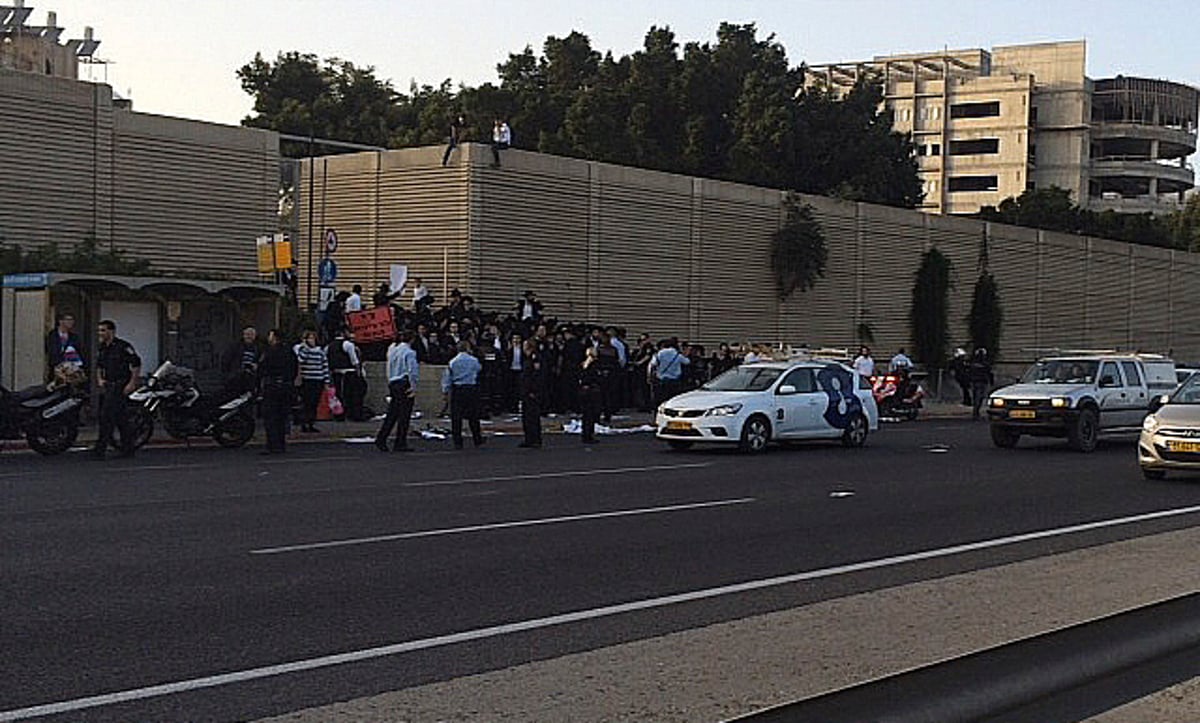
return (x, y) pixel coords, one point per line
(1079, 397)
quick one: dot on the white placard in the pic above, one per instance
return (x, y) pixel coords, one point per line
(398, 277)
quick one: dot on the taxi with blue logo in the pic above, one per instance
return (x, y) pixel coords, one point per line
(753, 405)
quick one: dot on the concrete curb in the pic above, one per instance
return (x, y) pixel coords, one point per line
(1004, 679)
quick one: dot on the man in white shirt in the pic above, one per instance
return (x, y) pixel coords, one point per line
(354, 300)
(864, 364)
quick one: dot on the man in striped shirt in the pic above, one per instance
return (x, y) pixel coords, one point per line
(312, 377)
(403, 371)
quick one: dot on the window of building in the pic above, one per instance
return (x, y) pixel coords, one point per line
(975, 147)
(935, 149)
(962, 184)
(935, 112)
(988, 109)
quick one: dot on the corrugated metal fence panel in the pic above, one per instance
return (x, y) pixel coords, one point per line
(531, 231)
(56, 185)
(644, 247)
(1151, 303)
(1062, 312)
(1013, 260)
(1107, 292)
(638, 248)
(191, 196)
(394, 207)
(1185, 311)
(423, 223)
(344, 195)
(827, 314)
(892, 247)
(737, 299)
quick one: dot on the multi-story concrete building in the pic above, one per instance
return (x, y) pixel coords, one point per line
(40, 48)
(989, 125)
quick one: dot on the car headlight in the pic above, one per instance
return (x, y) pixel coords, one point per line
(996, 401)
(1150, 424)
(1060, 402)
(725, 410)
(660, 411)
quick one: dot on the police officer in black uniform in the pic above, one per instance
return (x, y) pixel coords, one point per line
(118, 370)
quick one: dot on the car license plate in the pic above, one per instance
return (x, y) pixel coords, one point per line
(678, 426)
(1173, 446)
(1022, 414)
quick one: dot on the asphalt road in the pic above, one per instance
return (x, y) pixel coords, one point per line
(181, 565)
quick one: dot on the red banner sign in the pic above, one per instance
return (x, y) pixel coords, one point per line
(372, 325)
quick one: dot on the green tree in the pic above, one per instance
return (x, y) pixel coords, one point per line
(845, 147)
(798, 251)
(985, 321)
(928, 317)
(86, 257)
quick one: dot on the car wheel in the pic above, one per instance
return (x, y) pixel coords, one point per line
(679, 445)
(1084, 434)
(1004, 438)
(856, 434)
(756, 434)
(1154, 474)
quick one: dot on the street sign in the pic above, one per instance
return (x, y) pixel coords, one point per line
(327, 271)
(331, 241)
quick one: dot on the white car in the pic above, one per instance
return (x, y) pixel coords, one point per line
(755, 404)
(1170, 439)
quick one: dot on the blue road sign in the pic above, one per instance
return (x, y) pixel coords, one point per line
(327, 271)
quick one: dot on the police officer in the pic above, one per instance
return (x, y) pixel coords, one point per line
(403, 372)
(461, 381)
(591, 394)
(277, 373)
(118, 369)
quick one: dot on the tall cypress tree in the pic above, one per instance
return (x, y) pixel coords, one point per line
(986, 319)
(929, 314)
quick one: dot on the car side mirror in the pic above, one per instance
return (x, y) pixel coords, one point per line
(1108, 381)
(1158, 402)
(786, 389)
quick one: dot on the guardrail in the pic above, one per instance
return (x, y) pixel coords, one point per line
(1018, 679)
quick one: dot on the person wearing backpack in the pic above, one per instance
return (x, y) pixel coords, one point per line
(346, 367)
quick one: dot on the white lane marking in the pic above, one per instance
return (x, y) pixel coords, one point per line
(567, 473)
(501, 526)
(355, 656)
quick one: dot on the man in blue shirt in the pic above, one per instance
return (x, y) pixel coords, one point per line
(461, 381)
(403, 371)
(667, 366)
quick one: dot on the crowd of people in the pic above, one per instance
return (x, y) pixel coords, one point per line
(528, 361)
(521, 360)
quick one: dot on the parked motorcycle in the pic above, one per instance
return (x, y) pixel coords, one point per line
(170, 395)
(898, 394)
(47, 415)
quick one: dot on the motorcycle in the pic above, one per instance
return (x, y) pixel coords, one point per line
(171, 396)
(898, 394)
(46, 415)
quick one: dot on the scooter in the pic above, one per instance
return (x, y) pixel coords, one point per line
(170, 395)
(46, 415)
(898, 394)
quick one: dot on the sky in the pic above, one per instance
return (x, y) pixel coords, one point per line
(179, 58)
